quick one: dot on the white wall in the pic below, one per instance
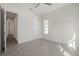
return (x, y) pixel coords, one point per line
(10, 26)
(28, 23)
(63, 23)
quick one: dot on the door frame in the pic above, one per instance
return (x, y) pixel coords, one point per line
(16, 20)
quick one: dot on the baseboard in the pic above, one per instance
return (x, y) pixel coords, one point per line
(54, 41)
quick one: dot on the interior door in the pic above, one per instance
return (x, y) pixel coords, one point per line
(2, 34)
(0, 29)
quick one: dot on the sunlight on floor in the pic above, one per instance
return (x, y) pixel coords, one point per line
(65, 53)
(71, 43)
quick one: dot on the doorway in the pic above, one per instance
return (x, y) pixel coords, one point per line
(11, 29)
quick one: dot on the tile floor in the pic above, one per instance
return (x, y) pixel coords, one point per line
(39, 47)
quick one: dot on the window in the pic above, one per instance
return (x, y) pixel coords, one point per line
(45, 23)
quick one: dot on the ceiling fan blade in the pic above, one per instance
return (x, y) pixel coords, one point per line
(48, 3)
(37, 5)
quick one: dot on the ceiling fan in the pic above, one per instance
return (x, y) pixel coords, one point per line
(38, 4)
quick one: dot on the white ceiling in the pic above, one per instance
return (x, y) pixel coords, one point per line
(41, 10)
(44, 9)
